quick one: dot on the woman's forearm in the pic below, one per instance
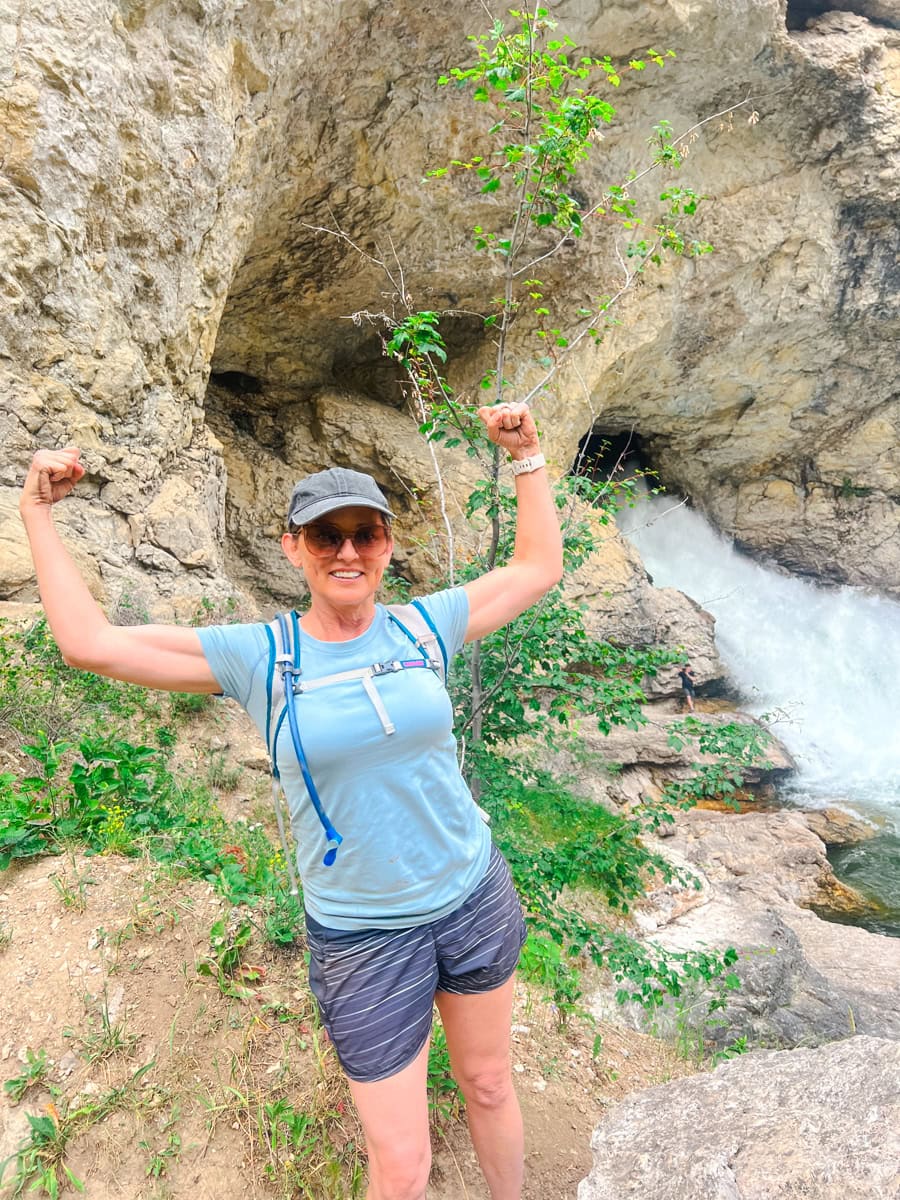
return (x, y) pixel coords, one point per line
(538, 541)
(75, 618)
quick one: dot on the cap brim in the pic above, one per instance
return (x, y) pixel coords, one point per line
(321, 508)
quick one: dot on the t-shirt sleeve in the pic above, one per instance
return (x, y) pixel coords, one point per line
(238, 657)
(450, 612)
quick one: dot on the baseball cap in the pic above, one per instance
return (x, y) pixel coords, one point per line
(337, 487)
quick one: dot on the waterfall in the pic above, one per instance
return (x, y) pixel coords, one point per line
(825, 662)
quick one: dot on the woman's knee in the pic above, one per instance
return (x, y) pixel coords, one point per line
(488, 1086)
(401, 1173)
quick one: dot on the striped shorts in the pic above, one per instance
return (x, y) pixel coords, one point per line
(375, 987)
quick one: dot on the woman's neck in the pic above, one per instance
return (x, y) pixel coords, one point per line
(337, 625)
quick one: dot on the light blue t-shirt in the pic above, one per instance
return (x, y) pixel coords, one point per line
(414, 843)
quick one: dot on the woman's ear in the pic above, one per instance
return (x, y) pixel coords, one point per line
(290, 544)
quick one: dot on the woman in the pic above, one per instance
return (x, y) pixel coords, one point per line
(418, 908)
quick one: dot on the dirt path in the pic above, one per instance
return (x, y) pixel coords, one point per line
(161, 1083)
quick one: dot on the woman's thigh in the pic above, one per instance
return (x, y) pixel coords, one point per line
(394, 1116)
(477, 1028)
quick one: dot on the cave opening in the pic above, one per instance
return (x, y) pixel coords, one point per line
(237, 382)
(610, 454)
(801, 11)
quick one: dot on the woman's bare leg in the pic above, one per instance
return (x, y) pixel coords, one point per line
(394, 1115)
(478, 1029)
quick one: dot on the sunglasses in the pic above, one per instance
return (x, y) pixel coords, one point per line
(324, 540)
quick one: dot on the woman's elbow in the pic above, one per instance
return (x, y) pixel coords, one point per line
(86, 657)
(79, 660)
(547, 578)
(552, 570)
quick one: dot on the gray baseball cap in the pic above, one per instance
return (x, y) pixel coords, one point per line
(337, 487)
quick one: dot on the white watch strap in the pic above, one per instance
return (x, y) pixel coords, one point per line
(524, 466)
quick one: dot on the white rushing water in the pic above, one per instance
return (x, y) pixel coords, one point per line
(825, 661)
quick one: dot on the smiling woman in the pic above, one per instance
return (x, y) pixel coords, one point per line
(419, 907)
(343, 558)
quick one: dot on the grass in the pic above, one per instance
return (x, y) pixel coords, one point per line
(71, 887)
(104, 1036)
(39, 1163)
(101, 777)
(34, 1073)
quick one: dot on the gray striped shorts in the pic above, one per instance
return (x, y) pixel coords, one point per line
(375, 987)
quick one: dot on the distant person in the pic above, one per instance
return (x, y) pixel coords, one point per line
(686, 675)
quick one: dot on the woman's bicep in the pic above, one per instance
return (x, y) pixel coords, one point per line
(500, 596)
(168, 657)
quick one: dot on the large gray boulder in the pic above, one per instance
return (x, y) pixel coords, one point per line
(791, 1125)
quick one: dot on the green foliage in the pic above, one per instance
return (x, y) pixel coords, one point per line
(736, 748)
(546, 120)
(546, 964)
(444, 1097)
(38, 1163)
(226, 963)
(553, 841)
(39, 694)
(35, 1071)
(105, 1036)
(113, 793)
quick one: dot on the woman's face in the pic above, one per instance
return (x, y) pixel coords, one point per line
(341, 575)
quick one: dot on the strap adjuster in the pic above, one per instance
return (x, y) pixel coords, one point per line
(387, 668)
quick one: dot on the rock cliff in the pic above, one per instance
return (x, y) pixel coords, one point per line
(170, 305)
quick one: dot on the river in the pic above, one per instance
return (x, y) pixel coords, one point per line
(822, 664)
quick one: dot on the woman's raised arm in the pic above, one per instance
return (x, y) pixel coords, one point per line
(159, 656)
(536, 564)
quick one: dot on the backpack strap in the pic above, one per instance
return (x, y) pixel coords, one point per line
(284, 681)
(414, 620)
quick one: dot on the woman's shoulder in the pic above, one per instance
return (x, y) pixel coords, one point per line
(245, 640)
(448, 611)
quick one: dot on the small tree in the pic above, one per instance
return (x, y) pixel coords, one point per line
(546, 104)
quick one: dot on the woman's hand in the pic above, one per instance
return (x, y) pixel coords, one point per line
(512, 427)
(51, 476)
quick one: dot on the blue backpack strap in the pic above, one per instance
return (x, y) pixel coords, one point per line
(423, 629)
(270, 677)
(426, 617)
(290, 660)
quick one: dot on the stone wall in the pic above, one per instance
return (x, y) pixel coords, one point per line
(168, 168)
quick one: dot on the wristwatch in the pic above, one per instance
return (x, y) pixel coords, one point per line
(524, 466)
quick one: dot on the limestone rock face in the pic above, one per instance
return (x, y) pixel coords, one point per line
(804, 980)
(817, 1124)
(169, 170)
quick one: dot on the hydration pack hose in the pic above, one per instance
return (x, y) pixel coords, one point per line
(288, 671)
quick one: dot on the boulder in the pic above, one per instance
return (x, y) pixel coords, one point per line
(837, 827)
(820, 1124)
(746, 882)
